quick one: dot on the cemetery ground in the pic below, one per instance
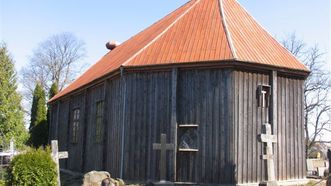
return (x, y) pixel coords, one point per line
(69, 179)
(316, 182)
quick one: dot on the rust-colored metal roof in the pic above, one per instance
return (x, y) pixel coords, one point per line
(199, 31)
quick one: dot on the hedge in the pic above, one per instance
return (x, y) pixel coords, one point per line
(34, 167)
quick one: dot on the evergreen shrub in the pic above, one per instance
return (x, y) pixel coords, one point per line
(34, 167)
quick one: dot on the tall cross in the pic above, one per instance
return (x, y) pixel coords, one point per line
(163, 146)
(268, 138)
(56, 155)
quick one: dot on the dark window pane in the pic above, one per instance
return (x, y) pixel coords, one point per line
(75, 125)
(99, 121)
(188, 138)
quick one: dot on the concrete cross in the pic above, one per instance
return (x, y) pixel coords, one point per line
(163, 146)
(268, 138)
(56, 155)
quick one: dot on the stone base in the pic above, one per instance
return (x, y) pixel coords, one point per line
(163, 183)
(269, 183)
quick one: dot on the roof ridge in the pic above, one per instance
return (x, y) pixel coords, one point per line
(227, 31)
(162, 33)
(265, 30)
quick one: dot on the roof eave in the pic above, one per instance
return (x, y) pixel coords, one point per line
(227, 63)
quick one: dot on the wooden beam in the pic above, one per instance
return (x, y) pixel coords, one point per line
(50, 122)
(56, 127)
(173, 130)
(105, 124)
(273, 105)
(84, 123)
(123, 84)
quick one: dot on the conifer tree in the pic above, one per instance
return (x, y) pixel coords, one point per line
(52, 92)
(11, 112)
(38, 126)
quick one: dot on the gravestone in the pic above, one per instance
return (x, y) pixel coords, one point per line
(163, 146)
(268, 138)
(56, 156)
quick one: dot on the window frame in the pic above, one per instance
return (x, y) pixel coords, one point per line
(266, 90)
(99, 120)
(75, 125)
(183, 128)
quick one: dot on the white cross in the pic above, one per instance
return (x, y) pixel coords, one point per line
(268, 138)
(56, 155)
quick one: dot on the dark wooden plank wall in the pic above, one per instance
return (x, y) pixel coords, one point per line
(213, 99)
(204, 99)
(86, 154)
(54, 117)
(75, 160)
(290, 159)
(147, 115)
(93, 159)
(113, 115)
(62, 130)
(248, 121)
(249, 118)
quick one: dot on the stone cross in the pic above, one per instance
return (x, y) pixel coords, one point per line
(56, 155)
(268, 138)
(163, 146)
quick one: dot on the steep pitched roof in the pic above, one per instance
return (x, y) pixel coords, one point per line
(199, 31)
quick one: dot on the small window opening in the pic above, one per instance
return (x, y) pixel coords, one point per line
(75, 125)
(99, 121)
(263, 96)
(188, 138)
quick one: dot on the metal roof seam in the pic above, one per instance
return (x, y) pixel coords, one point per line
(161, 34)
(227, 32)
(268, 32)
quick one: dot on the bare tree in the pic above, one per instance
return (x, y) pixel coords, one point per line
(56, 60)
(317, 102)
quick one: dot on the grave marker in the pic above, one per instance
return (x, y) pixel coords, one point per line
(56, 155)
(163, 146)
(268, 138)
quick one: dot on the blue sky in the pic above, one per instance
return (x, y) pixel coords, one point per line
(24, 24)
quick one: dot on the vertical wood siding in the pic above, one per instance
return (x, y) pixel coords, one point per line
(113, 115)
(54, 121)
(222, 102)
(75, 160)
(62, 134)
(148, 111)
(204, 99)
(248, 121)
(93, 159)
(290, 149)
